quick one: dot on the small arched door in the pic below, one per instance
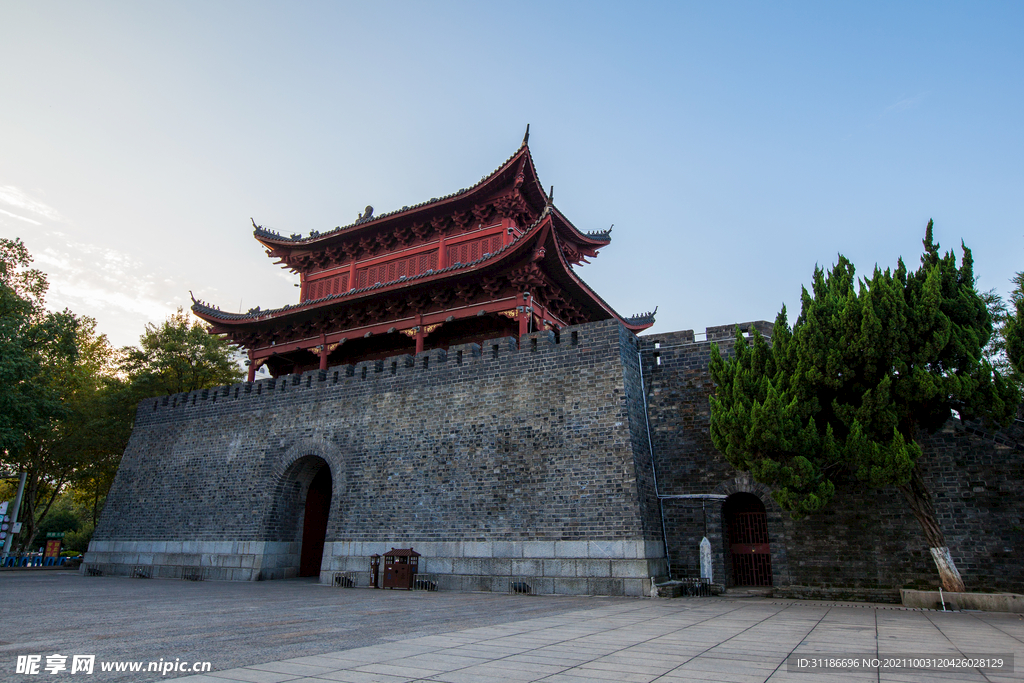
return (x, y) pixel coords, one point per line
(749, 548)
(314, 524)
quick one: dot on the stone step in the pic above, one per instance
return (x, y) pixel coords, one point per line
(749, 591)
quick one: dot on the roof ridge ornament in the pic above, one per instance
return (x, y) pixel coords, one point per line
(365, 215)
(551, 195)
(643, 318)
(526, 138)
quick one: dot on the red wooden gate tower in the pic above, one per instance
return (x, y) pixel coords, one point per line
(492, 260)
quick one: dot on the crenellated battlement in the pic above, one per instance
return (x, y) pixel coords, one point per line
(718, 333)
(460, 362)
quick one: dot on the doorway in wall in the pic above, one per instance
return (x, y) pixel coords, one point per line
(314, 523)
(749, 548)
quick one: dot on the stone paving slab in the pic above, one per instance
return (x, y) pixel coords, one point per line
(721, 640)
(295, 631)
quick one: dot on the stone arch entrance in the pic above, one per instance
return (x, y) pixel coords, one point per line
(296, 527)
(749, 549)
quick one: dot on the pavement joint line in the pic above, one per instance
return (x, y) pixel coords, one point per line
(953, 645)
(690, 659)
(878, 674)
(1010, 635)
(513, 632)
(802, 641)
(639, 609)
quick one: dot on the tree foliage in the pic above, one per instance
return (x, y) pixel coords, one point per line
(81, 438)
(67, 399)
(179, 355)
(868, 368)
(30, 339)
(1013, 326)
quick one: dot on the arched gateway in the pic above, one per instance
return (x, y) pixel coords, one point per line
(746, 523)
(298, 518)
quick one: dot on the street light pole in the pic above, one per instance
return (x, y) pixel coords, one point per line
(14, 516)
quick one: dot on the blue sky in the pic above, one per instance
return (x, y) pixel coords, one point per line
(733, 145)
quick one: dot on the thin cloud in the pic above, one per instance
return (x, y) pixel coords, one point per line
(20, 218)
(120, 292)
(13, 196)
(904, 104)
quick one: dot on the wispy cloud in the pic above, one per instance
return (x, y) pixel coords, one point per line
(904, 104)
(106, 284)
(20, 218)
(19, 199)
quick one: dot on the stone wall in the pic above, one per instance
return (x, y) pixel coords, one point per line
(491, 460)
(865, 544)
(528, 462)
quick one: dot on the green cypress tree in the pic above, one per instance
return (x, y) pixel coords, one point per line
(868, 368)
(1013, 326)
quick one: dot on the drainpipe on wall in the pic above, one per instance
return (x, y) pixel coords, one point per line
(654, 467)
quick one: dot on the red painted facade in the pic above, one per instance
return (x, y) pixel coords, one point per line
(489, 261)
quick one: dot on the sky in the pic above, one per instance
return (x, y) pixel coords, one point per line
(733, 145)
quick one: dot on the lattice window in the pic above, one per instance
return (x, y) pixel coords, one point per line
(391, 271)
(748, 527)
(467, 252)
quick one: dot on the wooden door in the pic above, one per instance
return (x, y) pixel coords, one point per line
(314, 525)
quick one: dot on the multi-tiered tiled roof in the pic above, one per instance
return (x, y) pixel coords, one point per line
(493, 259)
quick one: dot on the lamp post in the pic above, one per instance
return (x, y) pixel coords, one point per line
(14, 515)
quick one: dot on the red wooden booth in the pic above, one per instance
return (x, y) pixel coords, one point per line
(400, 566)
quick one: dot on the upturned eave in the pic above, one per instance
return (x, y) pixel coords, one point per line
(533, 191)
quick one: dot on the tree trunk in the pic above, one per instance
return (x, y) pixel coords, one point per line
(920, 503)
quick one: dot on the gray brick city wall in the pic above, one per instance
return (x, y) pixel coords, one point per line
(485, 444)
(866, 543)
(528, 460)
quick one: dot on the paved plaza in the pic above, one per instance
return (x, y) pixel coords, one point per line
(284, 631)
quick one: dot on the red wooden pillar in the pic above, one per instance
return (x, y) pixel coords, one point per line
(252, 369)
(442, 254)
(524, 315)
(352, 274)
(419, 334)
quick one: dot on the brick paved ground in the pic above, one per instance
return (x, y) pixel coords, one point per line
(275, 632)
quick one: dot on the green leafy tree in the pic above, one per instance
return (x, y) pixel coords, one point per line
(179, 355)
(63, 418)
(868, 368)
(56, 453)
(29, 336)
